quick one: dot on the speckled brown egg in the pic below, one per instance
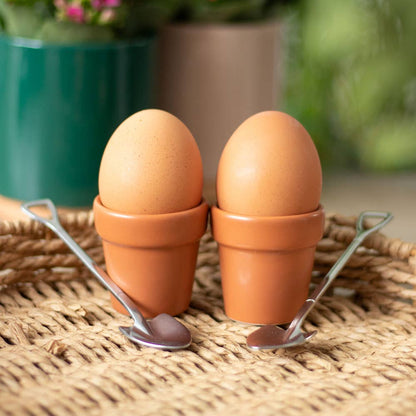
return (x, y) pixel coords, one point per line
(269, 167)
(151, 165)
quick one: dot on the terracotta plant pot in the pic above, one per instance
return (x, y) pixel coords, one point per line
(152, 257)
(214, 76)
(266, 263)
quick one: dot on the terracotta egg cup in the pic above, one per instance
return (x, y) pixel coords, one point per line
(266, 263)
(152, 257)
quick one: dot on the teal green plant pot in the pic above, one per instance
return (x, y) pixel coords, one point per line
(59, 105)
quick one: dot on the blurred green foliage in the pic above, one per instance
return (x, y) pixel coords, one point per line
(351, 80)
(38, 19)
(215, 11)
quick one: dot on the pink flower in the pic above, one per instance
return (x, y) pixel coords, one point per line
(100, 4)
(107, 16)
(75, 13)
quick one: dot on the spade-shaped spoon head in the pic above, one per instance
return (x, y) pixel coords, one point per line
(273, 337)
(165, 333)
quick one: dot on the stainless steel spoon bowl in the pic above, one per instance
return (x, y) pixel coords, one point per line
(162, 332)
(272, 336)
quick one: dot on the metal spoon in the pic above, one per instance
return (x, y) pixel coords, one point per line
(273, 337)
(162, 332)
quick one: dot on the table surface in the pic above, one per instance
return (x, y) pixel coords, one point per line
(343, 193)
(349, 194)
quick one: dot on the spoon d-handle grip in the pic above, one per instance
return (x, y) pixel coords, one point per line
(54, 225)
(361, 234)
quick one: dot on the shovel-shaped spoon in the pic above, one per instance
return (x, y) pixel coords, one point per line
(272, 336)
(162, 332)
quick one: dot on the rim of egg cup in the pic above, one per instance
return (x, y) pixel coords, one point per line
(150, 230)
(286, 232)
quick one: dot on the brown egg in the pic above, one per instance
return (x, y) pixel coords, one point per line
(269, 167)
(151, 165)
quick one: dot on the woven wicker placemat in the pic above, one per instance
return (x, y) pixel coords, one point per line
(61, 352)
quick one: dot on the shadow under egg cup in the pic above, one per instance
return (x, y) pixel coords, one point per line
(266, 263)
(152, 257)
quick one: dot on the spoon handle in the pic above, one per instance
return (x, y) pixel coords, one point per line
(361, 234)
(54, 225)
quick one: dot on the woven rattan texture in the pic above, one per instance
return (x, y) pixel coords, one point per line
(61, 352)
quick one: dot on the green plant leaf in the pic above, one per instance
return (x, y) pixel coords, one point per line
(139, 17)
(67, 32)
(19, 20)
(336, 30)
(225, 11)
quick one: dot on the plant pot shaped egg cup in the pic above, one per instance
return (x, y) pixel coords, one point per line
(152, 257)
(266, 263)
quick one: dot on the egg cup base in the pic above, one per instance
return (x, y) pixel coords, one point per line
(152, 258)
(266, 263)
